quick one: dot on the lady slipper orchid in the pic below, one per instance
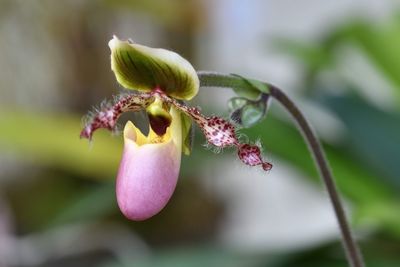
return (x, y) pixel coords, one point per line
(150, 165)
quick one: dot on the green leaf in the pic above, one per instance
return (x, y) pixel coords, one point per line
(373, 135)
(247, 92)
(54, 140)
(315, 56)
(381, 45)
(259, 86)
(91, 204)
(253, 90)
(355, 181)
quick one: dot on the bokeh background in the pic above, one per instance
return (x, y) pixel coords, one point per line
(340, 61)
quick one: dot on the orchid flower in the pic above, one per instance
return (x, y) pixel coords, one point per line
(150, 164)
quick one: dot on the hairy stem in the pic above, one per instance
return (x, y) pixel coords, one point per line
(353, 254)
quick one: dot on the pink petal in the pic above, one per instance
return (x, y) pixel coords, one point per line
(147, 175)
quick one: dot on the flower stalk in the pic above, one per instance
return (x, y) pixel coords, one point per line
(150, 164)
(162, 81)
(213, 79)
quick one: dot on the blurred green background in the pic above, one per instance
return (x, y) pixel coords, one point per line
(339, 60)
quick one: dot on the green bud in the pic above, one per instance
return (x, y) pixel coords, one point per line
(143, 68)
(251, 115)
(247, 92)
(237, 103)
(247, 112)
(253, 90)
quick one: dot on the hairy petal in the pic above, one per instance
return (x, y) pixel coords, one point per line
(221, 133)
(108, 114)
(251, 155)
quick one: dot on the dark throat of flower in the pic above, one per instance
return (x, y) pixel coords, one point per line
(159, 123)
(159, 116)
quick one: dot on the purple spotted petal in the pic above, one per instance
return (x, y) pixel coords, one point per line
(107, 115)
(147, 174)
(221, 133)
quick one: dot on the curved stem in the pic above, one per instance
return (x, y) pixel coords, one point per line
(353, 254)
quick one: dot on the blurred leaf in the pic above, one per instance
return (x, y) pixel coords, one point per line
(38, 197)
(374, 141)
(373, 135)
(381, 44)
(96, 202)
(196, 256)
(378, 253)
(53, 140)
(355, 181)
(366, 167)
(170, 13)
(315, 56)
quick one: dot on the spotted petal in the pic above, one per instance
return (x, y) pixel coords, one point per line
(107, 115)
(221, 133)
